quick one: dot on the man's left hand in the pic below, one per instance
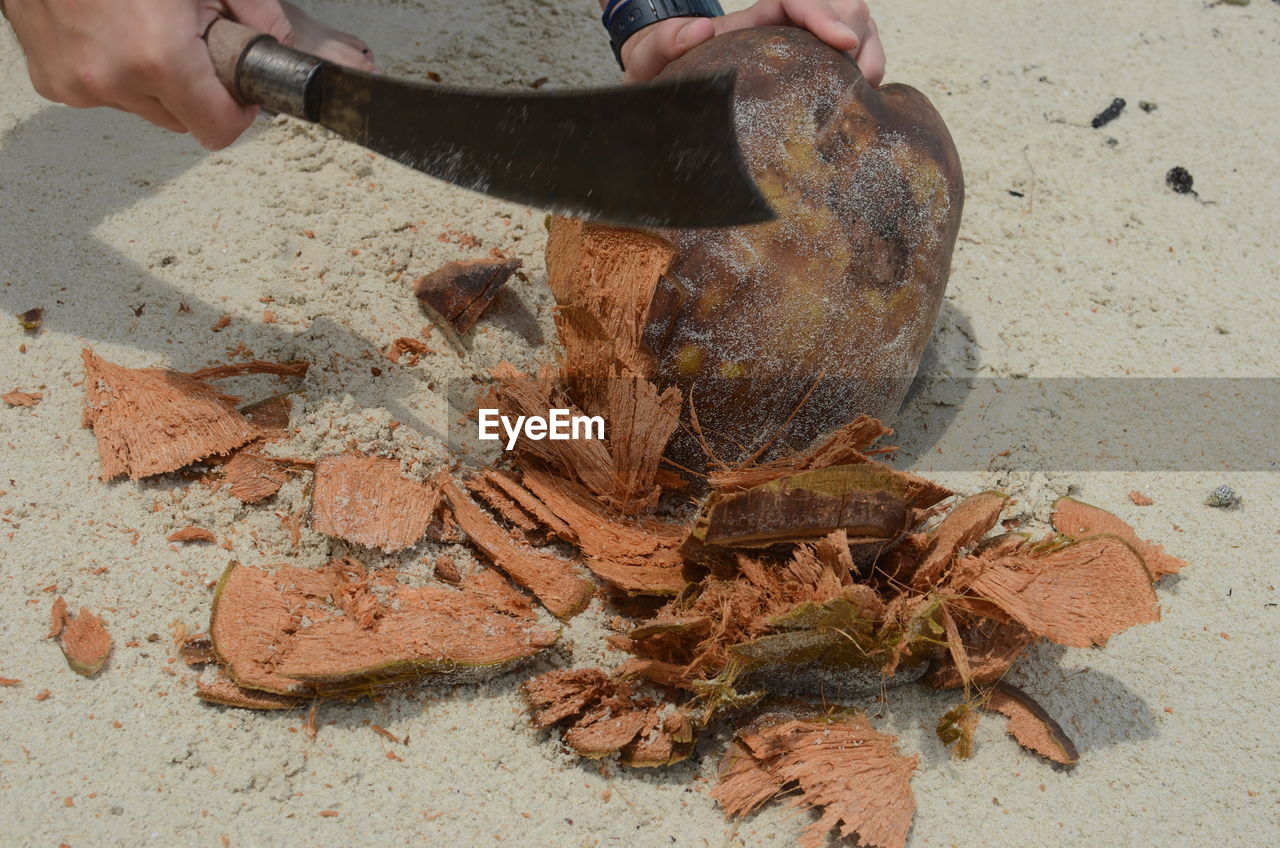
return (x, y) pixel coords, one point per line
(844, 24)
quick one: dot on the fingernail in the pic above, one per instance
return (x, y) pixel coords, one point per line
(847, 30)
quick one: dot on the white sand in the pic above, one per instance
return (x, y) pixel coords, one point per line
(1100, 270)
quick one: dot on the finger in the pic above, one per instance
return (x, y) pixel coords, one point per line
(821, 19)
(150, 109)
(200, 102)
(663, 43)
(263, 15)
(870, 57)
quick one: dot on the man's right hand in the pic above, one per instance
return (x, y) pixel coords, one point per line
(147, 57)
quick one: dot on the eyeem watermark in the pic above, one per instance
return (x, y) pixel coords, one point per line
(557, 425)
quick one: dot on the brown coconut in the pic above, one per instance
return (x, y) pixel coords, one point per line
(827, 308)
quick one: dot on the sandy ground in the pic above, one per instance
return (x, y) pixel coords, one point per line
(1097, 271)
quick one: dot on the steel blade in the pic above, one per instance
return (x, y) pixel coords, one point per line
(657, 154)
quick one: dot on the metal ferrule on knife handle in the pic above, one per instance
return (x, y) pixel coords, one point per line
(258, 70)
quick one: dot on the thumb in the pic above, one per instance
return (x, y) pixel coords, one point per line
(263, 15)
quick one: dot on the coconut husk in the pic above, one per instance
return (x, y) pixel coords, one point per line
(153, 420)
(553, 581)
(966, 523)
(858, 499)
(991, 647)
(1078, 519)
(191, 534)
(603, 280)
(529, 503)
(84, 638)
(852, 775)
(603, 715)
(296, 368)
(633, 556)
(1031, 725)
(223, 690)
(17, 397)
(1078, 594)
(461, 291)
(337, 630)
(366, 500)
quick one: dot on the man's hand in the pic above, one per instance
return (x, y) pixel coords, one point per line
(843, 24)
(147, 57)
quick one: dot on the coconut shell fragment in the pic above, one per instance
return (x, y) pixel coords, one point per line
(1031, 725)
(852, 775)
(461, 291)
(153, 420)
(366, 500)
(84, 638)
(338, 631)
(1078, 519)
(223, 690)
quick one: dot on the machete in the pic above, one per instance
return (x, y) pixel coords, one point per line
(658, 154)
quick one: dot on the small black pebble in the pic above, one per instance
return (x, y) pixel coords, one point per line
(1108, 114)
(1113, 142)
(1179, 179)
(1013, 193)
(1147, 106)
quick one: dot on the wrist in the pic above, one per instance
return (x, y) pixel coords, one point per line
(624, 19)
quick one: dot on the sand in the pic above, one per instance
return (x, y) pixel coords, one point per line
(1098, 272)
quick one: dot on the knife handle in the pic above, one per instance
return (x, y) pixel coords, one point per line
(258, 70)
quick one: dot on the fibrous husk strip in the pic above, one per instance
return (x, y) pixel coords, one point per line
(1077, 594)
(296, 368)
(17, 397)
(191, 534)
(852, 775)
(991, 648)
(966, 523)
(603, 715)
(554, 581)
(252, 476)
(636, 556)
(153, 420)
(365, 499)
(1031, 725)
(603, 279)
(337, 630)
(223, 690)
(84, 639)
(1078, 519)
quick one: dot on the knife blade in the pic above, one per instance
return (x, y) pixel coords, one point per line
(657, 154)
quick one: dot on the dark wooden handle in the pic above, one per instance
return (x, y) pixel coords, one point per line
(228, 41)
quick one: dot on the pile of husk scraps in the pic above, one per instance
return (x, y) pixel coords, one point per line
(825, 574)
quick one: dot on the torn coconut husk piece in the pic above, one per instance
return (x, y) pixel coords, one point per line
(862, 500)
(603, 279)
(366, 500)
(852, 775)
(1034, 728)
(251, 475)
(966, 523)
(17, 397)
(991, 647)
(1076, 594)
(338, 631)
(84, 638)
(1078, 519)
(223, 690)
(554, 581)
(848, 445)
(191, 534)
(295, 368)
(603, 715)
(461, 291)
(634, 556)
(153, 420)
